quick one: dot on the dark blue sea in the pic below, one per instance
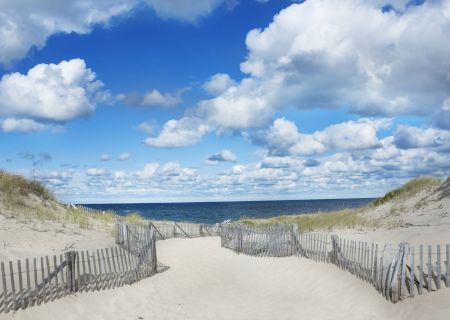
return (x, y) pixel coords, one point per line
(212, 212)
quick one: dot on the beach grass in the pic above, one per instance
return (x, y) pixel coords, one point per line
(349, 218)
(14, 188)
(409, 189)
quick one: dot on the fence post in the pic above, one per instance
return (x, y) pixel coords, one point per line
(334, 248)
(294, 234)
(201, 230)
(70, 275)
(239, 240)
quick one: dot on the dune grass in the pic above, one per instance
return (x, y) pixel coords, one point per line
(14, 187)
(350, 218)
(409, 189)
(16, 197)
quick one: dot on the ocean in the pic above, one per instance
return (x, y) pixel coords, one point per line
(213, 212)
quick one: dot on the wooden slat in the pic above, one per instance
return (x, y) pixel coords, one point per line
(55, 270)
(421, 275)
(96, 276)
(83, 282)
(77, 264)
(20, 293)
(100, 272)
(29, 292)
(44, 289)
(13, 285)
(110, 272)
(61, 275)
(438, 267)
(412, 282)
(36, 287)
(430, 269)
(92, 277)
(375, 267)
(447, 265)
(49, 279)
(113, 262)
(5, 291)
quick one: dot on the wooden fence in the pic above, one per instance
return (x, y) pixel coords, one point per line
(30, 282)
(265, 241)
(396, 271)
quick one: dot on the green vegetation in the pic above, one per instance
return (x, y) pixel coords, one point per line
(15, 192)
(409, 189)
(14, 187)
(319, 221)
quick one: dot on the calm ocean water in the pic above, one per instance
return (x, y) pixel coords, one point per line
(212, 212)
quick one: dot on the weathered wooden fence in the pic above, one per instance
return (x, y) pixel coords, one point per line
(184, 230)
(30, 282)
(265, 241)
(396, 271)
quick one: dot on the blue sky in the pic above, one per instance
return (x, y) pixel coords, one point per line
(154, 101)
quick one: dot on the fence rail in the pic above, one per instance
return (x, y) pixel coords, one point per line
(396, 271)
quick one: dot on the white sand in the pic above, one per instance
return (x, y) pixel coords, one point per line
(29, 239)
(208, 282)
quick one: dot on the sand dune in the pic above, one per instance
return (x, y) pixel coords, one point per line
(205, 281)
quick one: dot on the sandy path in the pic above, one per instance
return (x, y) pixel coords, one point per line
(208, 282)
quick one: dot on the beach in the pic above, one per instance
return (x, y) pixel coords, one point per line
(205, 281)
(199, 279)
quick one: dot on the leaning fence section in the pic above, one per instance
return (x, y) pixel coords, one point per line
(264, 241)
(29, 282)
(396, 271)
(163, 230)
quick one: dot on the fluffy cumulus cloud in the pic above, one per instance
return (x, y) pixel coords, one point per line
(284, 138)
(350, 54)
(21, 125)
(48, 93)
(29, 24)
(407, 137)
(218, 83)
(179, 133)
(222, 156)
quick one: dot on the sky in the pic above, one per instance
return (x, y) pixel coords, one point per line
(220, 100)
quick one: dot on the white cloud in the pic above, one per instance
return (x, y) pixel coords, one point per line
(147, 126)
(340, 53)
(124, 156)
(104, 157)
(218, 84)
(155, 98)
(97, 172)
(407, 137)
(21, 125)
(336, 54)
(27, 24)
(179, 133)
(52, 92)
(222, 156)
(283, 137)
